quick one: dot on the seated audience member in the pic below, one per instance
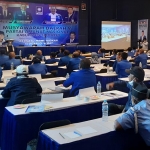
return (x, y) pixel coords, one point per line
(12, 60)
(61, 50)
(73, 62)
(133, 50)
(37, 67)
(81, 79)
(52, 59)
(101, 52)
(122, 66)
(39, 55)
(141, 58)
(130, 53)
(118, 59)
(138, 116)
(3, 57)
(114, 55)
(80, 54)
(136, 77)
(21, 87)
(64, 60)
(94, 58)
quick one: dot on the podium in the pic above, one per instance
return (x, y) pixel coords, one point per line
(9, 45)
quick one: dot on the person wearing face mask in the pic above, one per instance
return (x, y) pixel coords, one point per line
(138, 116)
(136, 76)
(81, 79)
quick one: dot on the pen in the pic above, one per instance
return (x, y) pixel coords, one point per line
(62, 136)
(77, 133)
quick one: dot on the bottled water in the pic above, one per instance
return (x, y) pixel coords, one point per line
(43, 58)
(67, 75)
(99, 60)
(12, 66)
(99, 88)
(107, 68)
(105, 111)
(140, 64)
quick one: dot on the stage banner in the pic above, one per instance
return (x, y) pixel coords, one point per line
(40, 24)
(143, 29)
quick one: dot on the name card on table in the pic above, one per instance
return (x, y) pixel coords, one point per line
(87, 92)
(47, 84)
(51, 98)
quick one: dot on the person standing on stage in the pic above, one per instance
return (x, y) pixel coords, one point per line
(5, 13)
(72, 38)
(2, 38)
(142, 37)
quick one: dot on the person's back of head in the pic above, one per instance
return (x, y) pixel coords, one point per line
(22, 70)
(62, 49)
(52, 54)
(36, 60)
(124, 56)
(115, 52)
(66, 53)
(141, 51)
(129, 49)
(78, 52)
(75, 55)
(39, 52)
(12, 55)
(85, 63)
(102, 50)
(3, 52)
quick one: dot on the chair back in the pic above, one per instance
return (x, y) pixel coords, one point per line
(103, 71)
(32, 100)
(54, 124)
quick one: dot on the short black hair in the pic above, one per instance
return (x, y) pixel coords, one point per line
(66, 52)
(1, 32)
(62, 49)
(124, 55)
(85, 63)
(53, 54)
(129, 49)
(72, 33)
(36, 60)
(142, 30)
(134, 47)
(75, 55)
(115, 51)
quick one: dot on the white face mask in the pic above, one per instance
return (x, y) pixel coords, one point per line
(131, 83)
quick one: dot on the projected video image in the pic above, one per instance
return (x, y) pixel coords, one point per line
(115, 35)
(40, 24)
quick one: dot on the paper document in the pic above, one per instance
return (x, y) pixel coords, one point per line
(87, 91)
(86, 130)
(49, 84)
(72, 135)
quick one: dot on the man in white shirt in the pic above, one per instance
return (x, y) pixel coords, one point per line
(144, 45)
(53, 16)
(5, 13)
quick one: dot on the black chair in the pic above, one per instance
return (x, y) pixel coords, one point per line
(32, 100)
(47, 125)
(103, 71)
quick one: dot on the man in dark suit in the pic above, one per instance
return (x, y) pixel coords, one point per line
(5, 12)
(71, 17)
(23, 14)
(72, 38)
(142, 37)
(53, 16)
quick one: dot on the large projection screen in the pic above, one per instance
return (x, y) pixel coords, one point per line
(40, 24)
(115, 35)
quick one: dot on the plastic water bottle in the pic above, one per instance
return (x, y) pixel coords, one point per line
(20, 52)
(99, 88)
(105, 111)
(99, 60)
(12, 66)
(140, 64)
(43, 58)
(107, 68)
(67, 75)
(103, 55)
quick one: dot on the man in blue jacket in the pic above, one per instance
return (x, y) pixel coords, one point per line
(61, 50)
(12, 61)
(21, 87)
(136, 77)
(40, 55)
(141, 58)
(52, 59)
(3, 57)
(64, 60)
(73, 63)
(81, 79)
(37, 67)
(130, 53)
(122, 66)
(80, 56)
